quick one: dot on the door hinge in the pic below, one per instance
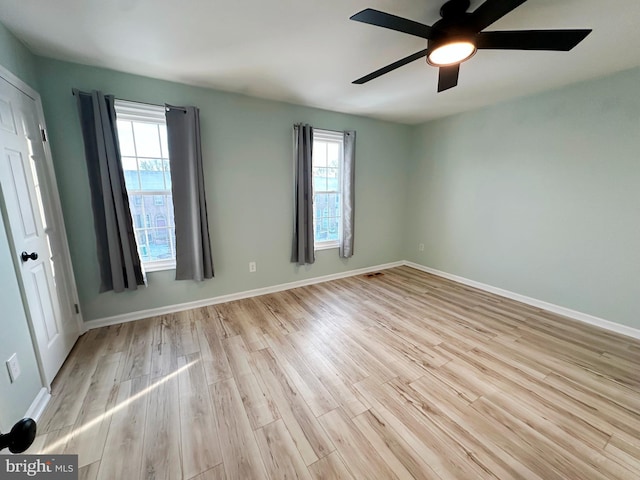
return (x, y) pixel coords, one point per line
(75, 305)
(44, 134)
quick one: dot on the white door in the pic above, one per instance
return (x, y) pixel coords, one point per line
(36, 241)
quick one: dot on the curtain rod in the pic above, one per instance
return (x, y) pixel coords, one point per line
(328, 130)
(318, 128)
(145, 103)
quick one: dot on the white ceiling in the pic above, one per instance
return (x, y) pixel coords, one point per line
(308, 52)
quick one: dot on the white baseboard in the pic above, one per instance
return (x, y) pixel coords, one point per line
(39, 404)
(573, 314)
(35, 410)
(550, 307)
(152, 312)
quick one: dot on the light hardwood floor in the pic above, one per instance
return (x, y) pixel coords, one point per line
(403, 375)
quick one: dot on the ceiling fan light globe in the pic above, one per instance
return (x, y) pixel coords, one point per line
(451, 53)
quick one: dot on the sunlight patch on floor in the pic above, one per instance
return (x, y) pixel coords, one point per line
(78, 431)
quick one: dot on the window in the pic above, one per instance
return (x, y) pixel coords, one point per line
(142, 133)
(327, 165)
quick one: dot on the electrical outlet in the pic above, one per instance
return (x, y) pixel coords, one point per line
(14, 367)
(252, 267)
(421, 247)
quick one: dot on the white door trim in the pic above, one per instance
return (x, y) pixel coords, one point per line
(53, 198)
(18, 83)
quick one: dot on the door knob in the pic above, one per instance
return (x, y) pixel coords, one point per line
(29, 256)
(21, 436)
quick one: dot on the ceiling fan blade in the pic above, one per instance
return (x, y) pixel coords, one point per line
(559, 40)
(448, 77)
(391, 67)
(386, 20)
(493, 10)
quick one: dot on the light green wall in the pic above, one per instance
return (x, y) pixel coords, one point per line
(535, 195)
(247, 146)
(15, 398)
(16, 57)
(539, 196)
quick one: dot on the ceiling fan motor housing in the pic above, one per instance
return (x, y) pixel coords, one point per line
(454, 8)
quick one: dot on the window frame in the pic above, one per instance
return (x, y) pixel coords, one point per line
(337, 137)
(155, 115)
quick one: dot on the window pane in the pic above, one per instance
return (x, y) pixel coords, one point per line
(129, 164)
(143, 247)
(159, 248)
(136, 211)
(333, 155)
(321, 234)
(332, 180)
(163, 141)
(172, 241)
(143, 144)
(135, 204)
(333, 202)
(320, 203)
(333, 228)
(320, 179)
(320, 154)
(130, 168)
(147, 139)
(125, 138)
(151, 174)
(151, 164)
(161, 220)
(327, 163)
(171, 220)
(167, 174)
(317, 171)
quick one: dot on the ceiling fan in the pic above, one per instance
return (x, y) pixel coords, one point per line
(457, 36)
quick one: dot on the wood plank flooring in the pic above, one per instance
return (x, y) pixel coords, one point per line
(402, 375)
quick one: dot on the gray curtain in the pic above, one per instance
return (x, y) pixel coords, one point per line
(193, 245)
(303, 246)
(348, 194)
(120, 267)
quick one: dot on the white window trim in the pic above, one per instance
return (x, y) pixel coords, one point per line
(330, 245)
(159, 265)
(331, 136)
(145, 113)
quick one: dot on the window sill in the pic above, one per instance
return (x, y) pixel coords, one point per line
(326, 246)
(158, 267)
